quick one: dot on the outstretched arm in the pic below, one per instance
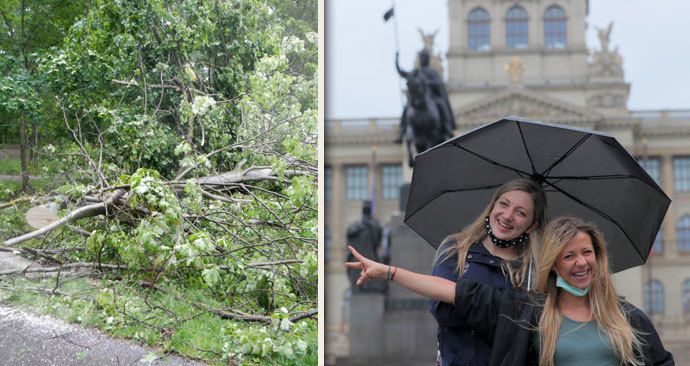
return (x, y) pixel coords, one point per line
(431, 287)
(402, 73)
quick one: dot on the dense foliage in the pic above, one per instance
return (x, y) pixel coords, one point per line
(183, 156)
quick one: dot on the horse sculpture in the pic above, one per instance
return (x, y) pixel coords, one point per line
(422, 118)
(427, 119)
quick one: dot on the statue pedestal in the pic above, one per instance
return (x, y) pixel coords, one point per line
(366, 324)
(394, 328)
(411, 327)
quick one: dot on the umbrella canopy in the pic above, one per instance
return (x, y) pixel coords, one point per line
(584, 173)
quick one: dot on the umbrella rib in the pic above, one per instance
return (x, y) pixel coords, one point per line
(600, 213)
(594, 177)
(567, 153)
(491, 161)
(604, 177)
(524, 144)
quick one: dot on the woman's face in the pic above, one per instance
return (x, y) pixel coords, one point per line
(512, 215)
(577, 261)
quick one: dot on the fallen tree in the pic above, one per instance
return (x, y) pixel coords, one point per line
(184, 161)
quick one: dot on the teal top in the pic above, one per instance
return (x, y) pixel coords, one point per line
(581, 343)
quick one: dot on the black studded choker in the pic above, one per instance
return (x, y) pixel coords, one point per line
(503, 243)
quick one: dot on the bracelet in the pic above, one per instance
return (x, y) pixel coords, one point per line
(388, 275)
(395, 270)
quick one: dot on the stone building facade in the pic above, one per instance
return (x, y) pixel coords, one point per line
(527, 58)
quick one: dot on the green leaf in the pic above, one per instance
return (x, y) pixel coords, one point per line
(149, 358)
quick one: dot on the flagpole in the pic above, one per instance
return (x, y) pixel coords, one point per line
(395, 27)
(397, 52)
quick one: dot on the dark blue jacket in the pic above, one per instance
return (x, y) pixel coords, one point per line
(459, 345)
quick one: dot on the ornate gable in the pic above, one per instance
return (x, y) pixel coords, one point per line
(527, 104)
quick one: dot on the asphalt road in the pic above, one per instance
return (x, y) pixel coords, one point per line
(30, 340)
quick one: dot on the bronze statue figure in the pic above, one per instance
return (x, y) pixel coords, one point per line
(427, 119)
(365, 235)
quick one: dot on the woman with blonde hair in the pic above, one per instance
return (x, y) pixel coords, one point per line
(495, 250)
(573, 316)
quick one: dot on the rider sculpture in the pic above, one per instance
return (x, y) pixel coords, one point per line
(427, 119)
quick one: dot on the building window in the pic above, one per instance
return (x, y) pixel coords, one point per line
(555, 27)
(683, 233)
(328, 183)
(391, 180)
(681, 174)
(686, 296)
(356, 182)
(516, 27)
(654, 297)
(653, 167)
(479, 29)
(327, 243)
(658, 246)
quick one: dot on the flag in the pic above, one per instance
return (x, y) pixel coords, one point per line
(388, 15)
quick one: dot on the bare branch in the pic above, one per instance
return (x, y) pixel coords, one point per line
(135, 83)
(268, 264)
(64, 267)
(80, 213)
(251, 174)
(16, 201)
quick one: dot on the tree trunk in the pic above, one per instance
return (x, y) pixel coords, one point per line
(34, 141)
(24, 153)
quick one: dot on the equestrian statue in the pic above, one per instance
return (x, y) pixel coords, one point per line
(427, 119)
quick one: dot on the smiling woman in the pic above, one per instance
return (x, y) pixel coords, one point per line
(496, 249)
(547, 326)
(576, 262)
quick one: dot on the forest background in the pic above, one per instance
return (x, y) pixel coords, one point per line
(176, 142)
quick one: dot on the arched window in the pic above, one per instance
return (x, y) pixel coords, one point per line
(686, 296)
(555, 27)
(516, 27)
(683, 233)
(654, 297)
(478, 30)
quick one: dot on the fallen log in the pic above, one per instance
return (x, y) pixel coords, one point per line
(82, 212)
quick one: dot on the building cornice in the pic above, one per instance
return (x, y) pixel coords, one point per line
(526, 103)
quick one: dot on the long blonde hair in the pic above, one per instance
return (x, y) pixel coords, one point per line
(606, 309)
(459, 243)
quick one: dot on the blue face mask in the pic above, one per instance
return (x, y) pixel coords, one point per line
(560, 282)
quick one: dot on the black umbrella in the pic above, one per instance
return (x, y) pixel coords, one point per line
(584, 173)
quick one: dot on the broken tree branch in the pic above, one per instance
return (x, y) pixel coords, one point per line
(86, 211)
(78, 265)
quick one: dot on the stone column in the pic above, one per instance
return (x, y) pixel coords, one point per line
(337, 203)
(669, 225)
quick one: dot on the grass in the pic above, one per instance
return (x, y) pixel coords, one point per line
(9, 189)
(10, 166)
(122, 309)
(13, 166)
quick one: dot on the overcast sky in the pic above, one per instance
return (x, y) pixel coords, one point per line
(361, 82)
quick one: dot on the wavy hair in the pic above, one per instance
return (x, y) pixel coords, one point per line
(604, 304)
(517, 271)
